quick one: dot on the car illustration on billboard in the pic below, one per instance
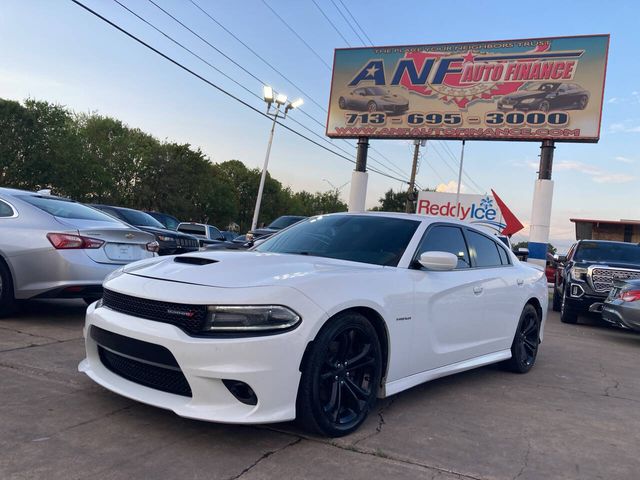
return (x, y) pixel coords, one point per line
(373, 99)
(546, 96)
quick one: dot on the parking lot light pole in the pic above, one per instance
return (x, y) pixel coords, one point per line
(280, 109)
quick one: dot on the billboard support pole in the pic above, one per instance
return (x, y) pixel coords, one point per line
(409, 208)
(359, 178)
(541, 210)
(460, 174)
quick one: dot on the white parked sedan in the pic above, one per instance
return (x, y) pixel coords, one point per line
(316, 322)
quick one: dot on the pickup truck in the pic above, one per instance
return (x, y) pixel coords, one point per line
(206, 234)
(586, 275)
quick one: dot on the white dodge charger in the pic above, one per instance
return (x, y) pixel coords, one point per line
(315, 323)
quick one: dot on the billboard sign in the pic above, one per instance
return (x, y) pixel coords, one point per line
(487, 211)
(535, 89)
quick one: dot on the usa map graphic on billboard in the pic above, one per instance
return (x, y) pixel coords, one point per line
(535, 89)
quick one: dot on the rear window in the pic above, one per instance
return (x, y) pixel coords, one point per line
(60, 207)
(5, 209)
(193, 229)
(607, 252)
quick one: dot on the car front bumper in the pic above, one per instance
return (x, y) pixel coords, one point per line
(269, 365)
(580, 296)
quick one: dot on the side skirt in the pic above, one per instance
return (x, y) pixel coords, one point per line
(407, 382)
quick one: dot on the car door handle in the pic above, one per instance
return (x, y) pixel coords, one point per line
(477, 290)
(520, 282)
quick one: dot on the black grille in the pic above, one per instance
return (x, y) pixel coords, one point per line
(167, 380)
(189, 318)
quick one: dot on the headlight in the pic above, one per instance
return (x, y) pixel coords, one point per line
(259, 318)
(528, 100)
(578, 273)
(115, 274)
(164, 238)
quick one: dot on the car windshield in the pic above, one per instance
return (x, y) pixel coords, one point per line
(541, 87)
(370, 239)
(167, 220)
(283, 222)
(376, 91)
(604, 252)
(139, 219)
(63, 208)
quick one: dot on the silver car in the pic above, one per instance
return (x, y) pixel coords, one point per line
(622, 306)
(52, 247)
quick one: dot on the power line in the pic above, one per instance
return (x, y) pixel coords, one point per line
(397, 171)
(331, 22)
(296, 34)
(348, 22)
(217, 87)
(356, 22)
(453, 157)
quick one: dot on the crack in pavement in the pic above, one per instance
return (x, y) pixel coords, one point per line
(525, 462)
(381, 420)
(616, 383)
(265, 456)
(35, 345)
(26, 333)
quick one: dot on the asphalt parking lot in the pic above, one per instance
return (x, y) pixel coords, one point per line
(575, 415)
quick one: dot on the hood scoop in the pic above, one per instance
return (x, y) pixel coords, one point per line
(194, 260)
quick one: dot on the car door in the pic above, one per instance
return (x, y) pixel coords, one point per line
(502, 290)
(562, 97)
(448, 306)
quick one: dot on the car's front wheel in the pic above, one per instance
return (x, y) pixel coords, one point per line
(342, 103)
(524, 348)
(372, 106)
(544, 106)
(557, 300)
(340, 376)
(567, 314)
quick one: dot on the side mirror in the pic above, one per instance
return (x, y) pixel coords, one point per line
(438, 261)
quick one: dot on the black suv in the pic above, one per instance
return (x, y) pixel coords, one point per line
(171, 242)
(585, 276)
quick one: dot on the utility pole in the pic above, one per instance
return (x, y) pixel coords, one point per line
(412, 181)
(459, 177)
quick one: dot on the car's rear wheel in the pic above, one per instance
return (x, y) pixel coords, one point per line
(524, 348)
(340, 376)
(372, 106)
(7, 300)
(544, 106)
(567, 314)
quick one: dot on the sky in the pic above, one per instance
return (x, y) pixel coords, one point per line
(54, 50)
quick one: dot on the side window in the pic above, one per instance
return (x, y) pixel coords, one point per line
(214, 233)
(504, 257)
(5, 210)
(442, 238)
(483, 250)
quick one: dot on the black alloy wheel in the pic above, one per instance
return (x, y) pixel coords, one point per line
(524, 348)
(372, 107)
(557, 299)
(544, 106)
(340, 377)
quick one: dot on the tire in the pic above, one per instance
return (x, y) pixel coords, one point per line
(7, 299)
(544, 106)
(334, 398)
(557, 301)
(567, 314)
(342, 103)
(372, 107)
(582, 102)
(524, 348)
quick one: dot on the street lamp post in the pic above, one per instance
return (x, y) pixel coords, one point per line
(280, 109)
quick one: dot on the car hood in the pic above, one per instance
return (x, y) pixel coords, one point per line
(236, 269)
(164, 231)
(629, 266)
(264, 231)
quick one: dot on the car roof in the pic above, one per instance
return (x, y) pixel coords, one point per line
(15, 192)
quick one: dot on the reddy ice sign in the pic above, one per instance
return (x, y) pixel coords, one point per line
(545, 88)
(481, 210)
